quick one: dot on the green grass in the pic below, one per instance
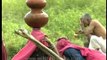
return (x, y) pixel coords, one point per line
(63, 20)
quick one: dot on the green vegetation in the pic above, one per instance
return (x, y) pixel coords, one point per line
(63, 20)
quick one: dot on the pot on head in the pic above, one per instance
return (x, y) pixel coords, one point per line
(36, 20)
(36, 3)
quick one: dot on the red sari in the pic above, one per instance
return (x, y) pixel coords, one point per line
(4, 53)
(30, 47)
(63, 44)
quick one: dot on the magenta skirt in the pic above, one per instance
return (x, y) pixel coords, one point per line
(4, 53)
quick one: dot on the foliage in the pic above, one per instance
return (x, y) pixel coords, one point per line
(64, 18)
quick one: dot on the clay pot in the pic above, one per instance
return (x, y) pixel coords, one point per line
(36, 3)
(37, 19)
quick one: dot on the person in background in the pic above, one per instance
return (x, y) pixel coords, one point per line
(95, 33)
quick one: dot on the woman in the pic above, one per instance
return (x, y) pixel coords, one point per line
(75, 52)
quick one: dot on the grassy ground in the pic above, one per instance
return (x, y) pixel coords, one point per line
(63, 20)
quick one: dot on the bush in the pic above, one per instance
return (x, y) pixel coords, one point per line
(64, 18)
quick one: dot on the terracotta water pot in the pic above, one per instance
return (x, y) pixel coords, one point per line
(36, 19)
(36, 3)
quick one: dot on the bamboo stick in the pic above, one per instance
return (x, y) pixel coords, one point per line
(52, 47)
(24, 33)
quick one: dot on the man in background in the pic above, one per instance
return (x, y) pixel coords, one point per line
(94, 31)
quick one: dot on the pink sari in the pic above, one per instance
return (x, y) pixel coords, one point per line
(63, 44)
(4, 53)
(30, 47)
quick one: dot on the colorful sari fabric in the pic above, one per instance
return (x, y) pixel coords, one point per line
(4, 53)
(63, 44)
(28, 51)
